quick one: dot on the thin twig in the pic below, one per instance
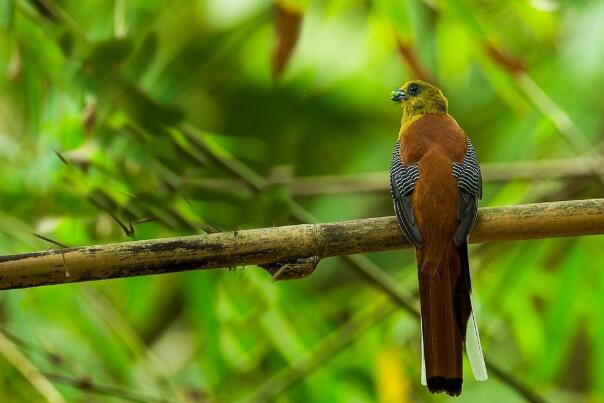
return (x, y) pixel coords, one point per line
(50, 10)
(61, 157)
(128, 229)
(119, 325)
(56, 243)
(81, 382)
(52, 358)
(87, 385)
(29, 371)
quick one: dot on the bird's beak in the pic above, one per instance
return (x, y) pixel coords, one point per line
(398, 95)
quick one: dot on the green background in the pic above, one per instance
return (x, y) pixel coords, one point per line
(109, 85)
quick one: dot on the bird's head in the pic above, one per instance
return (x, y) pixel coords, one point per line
(418, 97)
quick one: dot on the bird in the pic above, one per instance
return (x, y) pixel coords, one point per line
(435, 184)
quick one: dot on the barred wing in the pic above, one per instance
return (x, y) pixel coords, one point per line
(402, 184)
(469, 181)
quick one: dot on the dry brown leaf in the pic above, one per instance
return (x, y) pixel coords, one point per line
(287, 30)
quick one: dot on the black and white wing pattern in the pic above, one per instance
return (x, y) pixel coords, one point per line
(402, 184)
(469, 181)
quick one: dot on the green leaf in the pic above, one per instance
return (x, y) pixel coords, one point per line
(7, 14)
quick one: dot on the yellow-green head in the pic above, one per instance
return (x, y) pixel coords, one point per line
(418, 97)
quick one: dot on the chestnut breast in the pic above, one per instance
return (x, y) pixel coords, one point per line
(434, 141)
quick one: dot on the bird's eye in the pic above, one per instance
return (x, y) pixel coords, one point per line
(413, 89)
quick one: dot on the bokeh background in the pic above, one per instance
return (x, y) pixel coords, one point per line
(124, 120)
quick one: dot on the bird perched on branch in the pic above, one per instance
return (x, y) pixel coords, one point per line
(435, 183)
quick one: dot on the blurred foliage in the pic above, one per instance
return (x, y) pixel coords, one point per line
(103, 105)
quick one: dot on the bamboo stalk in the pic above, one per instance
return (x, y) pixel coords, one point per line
(579, 167)
(283, 244)
(492, 172)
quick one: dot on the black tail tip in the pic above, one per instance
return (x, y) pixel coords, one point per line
(451, 387)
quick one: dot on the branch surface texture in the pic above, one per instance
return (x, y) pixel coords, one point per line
(284, 244)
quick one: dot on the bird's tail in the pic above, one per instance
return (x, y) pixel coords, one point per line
(472, 338)
(446, 311)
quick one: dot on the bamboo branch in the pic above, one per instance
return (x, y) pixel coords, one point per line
(579, 167)
(283, 244)
(492, 172)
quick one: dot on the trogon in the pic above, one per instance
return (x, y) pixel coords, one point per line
(435, 185)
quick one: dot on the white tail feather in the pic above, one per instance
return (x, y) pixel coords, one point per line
(474, 350)
(424, 379)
